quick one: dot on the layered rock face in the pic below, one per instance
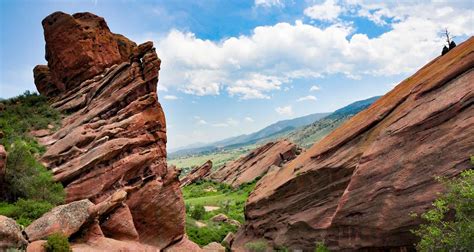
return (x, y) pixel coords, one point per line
(256, 163)
(114, 134)
(356, 188)
(197, 174)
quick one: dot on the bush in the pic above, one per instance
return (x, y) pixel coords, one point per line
(57, 243)
(27, 178)
(441, 233)
(256, 246)
(25, 211)
(320, 247)
(198, 212)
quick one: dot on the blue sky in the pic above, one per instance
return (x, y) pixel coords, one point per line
(233, 67)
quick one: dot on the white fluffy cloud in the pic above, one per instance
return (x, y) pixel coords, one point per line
(285, 111)
(314, 88)
(327, 11)
(248, 119)
(272, 57)
(269, 3)
(307, 98)
(170, 97)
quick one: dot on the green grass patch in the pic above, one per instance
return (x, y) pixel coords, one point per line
(28, 189)
(231, 202)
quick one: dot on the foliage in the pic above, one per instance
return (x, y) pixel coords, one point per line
(25, 211)
(57, 243)
(449, 226)
(320, 247)
(231, 202)
(198, 212)
(26, 177)
(213, 232)
(256, 246)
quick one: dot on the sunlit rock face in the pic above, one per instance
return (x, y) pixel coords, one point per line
(113, 135)
(356, 188)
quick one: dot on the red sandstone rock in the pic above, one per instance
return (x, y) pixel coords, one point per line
(213, 247)
(110, 245)
(36, 246)
(66, 219)
(79, 47)
(10, 235)
(356, 188)
(44, 82)
(197, 174)
(114, 135)
(256, 163)
(119, 225)
(183, 245)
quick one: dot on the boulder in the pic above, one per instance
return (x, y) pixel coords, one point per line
(110, 245)
(213, 247)
(10, 235)
(66, 219)
(256, 163)
(183, 245)
(355, 189)
(196, 174)
(228, 240)
(119, 225)
(36, 246)
(220, 218)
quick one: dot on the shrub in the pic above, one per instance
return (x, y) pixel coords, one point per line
(212, 233)
(320, 247)
(27, 178)
(198, 212)
(256, 246)
(440, 233)
(57, 243)
(25, 211)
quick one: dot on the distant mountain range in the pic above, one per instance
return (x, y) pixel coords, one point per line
(303, 131)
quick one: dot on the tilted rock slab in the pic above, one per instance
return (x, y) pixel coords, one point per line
(356, 188)
(114, 133)
(256, 163)
(196, 174)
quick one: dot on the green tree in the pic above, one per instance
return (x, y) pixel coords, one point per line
(198, 212)
(455, 233)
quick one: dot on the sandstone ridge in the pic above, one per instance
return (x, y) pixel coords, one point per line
(356, 188)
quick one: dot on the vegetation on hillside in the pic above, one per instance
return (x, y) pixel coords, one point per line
(28, 189)
(218, 198)
(449, 225)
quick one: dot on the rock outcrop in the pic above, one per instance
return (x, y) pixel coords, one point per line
(356, 188)
(196, 174)
(10, 235)
(65, 219)
(256, 163)
(113, 136)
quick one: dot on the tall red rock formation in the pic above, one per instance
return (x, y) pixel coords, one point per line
(256, 163)
(356, 188)
(114, 133)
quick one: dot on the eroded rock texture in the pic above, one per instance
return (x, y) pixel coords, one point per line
(256, 163)
(356, 188)
(196, 174)
(114, 133)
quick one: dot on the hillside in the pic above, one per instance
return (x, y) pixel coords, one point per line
(277, 128)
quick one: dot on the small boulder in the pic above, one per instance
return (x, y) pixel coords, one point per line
(228, 240)
(10, 235)
(220, 218)
(36, 246)
(66, 219)
(213, 247)
(183, 245)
